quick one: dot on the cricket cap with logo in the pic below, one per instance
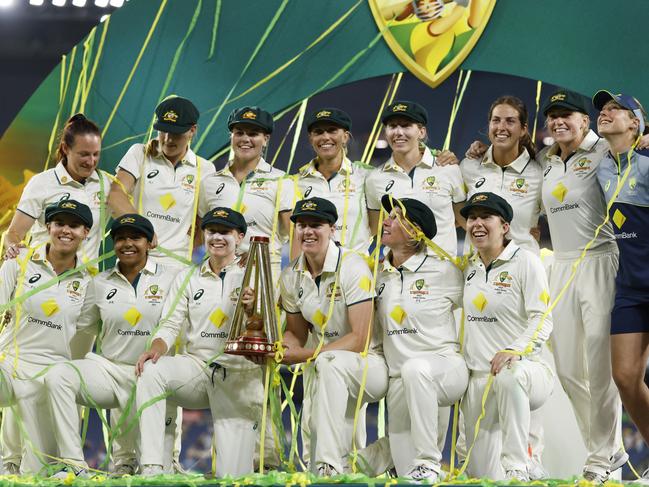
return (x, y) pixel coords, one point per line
(133, 221)
(69, 207)
(335, 116)
(226, 217)
(252, 116)
(602, 97)
(415, 211)
(175, 115)
(568, 100)
(315, 207)
(489, 201)
(407, 109)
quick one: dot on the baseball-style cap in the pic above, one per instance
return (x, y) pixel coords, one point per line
(489, 201)
(566, 99)
(415, 211)
(226, 217)
(70, 207)
(317, 208)
(175, 115)
(135, 222)
(627, 101)
(407, 109)
(331, 115)
(252, 116)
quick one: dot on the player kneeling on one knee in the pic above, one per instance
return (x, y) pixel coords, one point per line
(505, 303)
(203, 376)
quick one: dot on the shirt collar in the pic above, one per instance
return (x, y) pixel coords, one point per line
(40, 257)
(413, 263)
(261, 167)
(506, 255)
(64, 177)
(310, 169)
(427, 159)
(519, 164)
(149, 268)
(206, 269)
(587, 145)
(189, 159)
(332, 259)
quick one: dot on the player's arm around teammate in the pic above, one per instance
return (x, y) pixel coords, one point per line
(327, 291)
(42, 324)
(507, 322)
(416, 295)
(203, 376)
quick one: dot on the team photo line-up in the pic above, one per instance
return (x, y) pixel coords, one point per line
(376, 302)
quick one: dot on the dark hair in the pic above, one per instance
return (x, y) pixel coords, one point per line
(518, 105)
(77, 125)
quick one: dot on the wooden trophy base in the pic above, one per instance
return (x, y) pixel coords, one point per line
(248, 345)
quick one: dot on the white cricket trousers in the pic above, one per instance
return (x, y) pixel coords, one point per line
(95, 382)
(581, 341)
(234, 397)
(336, 388)
(413, 401)
(503, 435)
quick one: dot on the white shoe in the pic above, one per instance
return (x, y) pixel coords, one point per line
(618, 460)
(71, 472)
(326, 470)
(536, 471)
(152, 470)
(10, 468)
(123, 470)
(594, 477)
(423, 472)
(517, 475)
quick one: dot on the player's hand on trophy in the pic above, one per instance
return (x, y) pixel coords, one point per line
(476, 150)
(502, 359)
(248, 300)
(243, 259)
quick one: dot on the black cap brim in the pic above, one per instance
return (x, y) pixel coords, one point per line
(465, 211)
(263, 127)
(311, 214)
(564, 105)
(130, 226)
(330, 121)
(171, 128)
(224, 223)
(59, 211)
(386, 118)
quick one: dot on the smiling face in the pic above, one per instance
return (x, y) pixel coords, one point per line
(83, 155)
(313, 234)
(174, 146)
(221, 241)
(247, 142)
(403, 135)
(131, 246)
(614, 119)
(66, 233)
(505, 128)
(486, 229)
(566, 126)
(328, 140)
(397, 232)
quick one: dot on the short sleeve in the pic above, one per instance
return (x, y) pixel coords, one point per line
(355, 279)
(458, 190)
(372, 198)
(8, 277)
(287, 291)
(286, 186)
(133, 160)
(207, 167)
(32, 200)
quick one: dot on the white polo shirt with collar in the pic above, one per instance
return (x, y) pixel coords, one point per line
(49, 318)
(503, 306)
(573, 198)
(56, 184)
(128, 312)
(346, 190)
(519, 183)
(264, 192)
(436, 186)
(345, 281)
(206, 305)
(414, 309)
(165, 195)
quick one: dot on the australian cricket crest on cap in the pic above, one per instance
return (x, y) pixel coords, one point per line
(170, 116)
(323, 113)
(400, 107)
(309, 206)
(127, 219)
(557, 97)
(249, 115)
(68, 205)
(478, 198)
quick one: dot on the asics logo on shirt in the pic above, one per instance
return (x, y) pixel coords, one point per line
(389, 185)
(308, 190)
(470, 276)
(153, 174)
(34, 278)
(479, 182)
(198, 294)
(220, 188)
(111, 293)
(546, 172)
(380, 289)
(300, 293)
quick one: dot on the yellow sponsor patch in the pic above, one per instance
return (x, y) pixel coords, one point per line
(545, 297)
(398, 314)
(618, 218)
(319, 318)
(218, 318)
(132, 316)
(560, 192)
(50, 307)
(365, 284)
(167, 201)
(479, 302)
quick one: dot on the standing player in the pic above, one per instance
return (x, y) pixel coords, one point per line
(623, 175)
(416, 297)
(202, 376)
(127, 301)
(42, 325)
(507, 322)
(413, 172)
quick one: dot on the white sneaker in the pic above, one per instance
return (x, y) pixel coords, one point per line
(536, 471)
(423, 472)
(152, 470)
(123, 470)
(517, 475)
(326, 470)
(594, 477)
(618, 460)
(10, 468)
(71, 472)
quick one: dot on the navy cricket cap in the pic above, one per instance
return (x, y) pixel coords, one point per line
(175, 115)
(415, 211)
(407, 109)
(334, 116)
(252, 116)
(566, 99)
(69, 207)
(315, 207)
(490, 201)
(226, 217)
(133, 221)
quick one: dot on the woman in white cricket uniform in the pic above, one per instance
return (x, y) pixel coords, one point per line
(416, 296)
(507, 322)
(77, 177)
(327, 291)
(333, 176)
(575, 207)
(125, 303)
(163, 177)
(413, 172)
(203, 376)
(42, 324)
(263, 194)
